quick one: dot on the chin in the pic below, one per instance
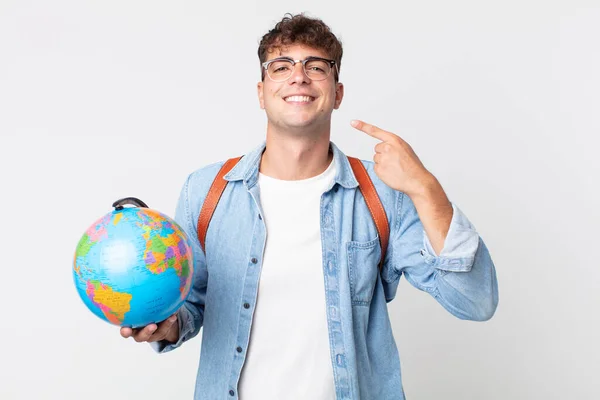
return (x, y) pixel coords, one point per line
(299, 126)
(299, 121)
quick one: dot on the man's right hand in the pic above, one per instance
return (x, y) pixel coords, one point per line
(166, 330)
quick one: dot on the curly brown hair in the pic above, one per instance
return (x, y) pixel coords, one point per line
(300, 29)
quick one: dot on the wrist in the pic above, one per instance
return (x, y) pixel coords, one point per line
(173, 335)
(431, 197)
(428, 188)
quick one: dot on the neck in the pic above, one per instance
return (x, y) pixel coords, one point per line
(293, 156)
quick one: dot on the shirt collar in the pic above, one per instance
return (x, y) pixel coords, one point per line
(247, 168)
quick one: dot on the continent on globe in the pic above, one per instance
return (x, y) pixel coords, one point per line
(92, 235)
(165, 246)
(113, 304)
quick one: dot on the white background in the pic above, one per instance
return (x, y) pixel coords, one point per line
(106, 99)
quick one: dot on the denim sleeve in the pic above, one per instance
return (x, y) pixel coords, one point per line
(462, 278)
(461, 242)
(191, 315)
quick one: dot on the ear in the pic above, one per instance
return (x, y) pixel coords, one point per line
(339, 95)
(259, 89)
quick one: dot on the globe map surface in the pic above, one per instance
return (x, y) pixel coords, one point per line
(133, 267)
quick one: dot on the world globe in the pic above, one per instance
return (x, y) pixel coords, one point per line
(133, 266)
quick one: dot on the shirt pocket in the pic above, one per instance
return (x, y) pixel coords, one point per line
(363, 267)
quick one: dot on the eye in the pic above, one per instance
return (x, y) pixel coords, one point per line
(279, 67)
(317, 67)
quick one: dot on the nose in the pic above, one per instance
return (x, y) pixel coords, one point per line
(298, 74)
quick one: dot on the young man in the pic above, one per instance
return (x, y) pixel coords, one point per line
(287, 286)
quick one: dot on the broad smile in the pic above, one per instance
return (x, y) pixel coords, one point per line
(299, 99)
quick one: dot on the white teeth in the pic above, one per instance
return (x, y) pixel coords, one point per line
(299, 98)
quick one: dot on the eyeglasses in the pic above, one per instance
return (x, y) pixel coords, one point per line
(315, 68)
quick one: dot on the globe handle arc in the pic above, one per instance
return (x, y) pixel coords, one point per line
(118, 205)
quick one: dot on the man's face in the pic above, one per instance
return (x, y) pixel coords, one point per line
(316, 101)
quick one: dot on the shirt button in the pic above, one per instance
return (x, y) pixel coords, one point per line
(259, 216)
(231, 392)
(239, 349)
(246, 305)
(254, 260)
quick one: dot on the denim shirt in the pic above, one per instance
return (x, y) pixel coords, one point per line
(364, 356)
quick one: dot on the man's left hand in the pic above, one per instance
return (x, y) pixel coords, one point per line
(396, 164)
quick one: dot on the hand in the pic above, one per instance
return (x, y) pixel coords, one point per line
(166, 330)
(396, 164)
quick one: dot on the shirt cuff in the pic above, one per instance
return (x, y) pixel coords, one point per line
(186, 326)
(460, 245)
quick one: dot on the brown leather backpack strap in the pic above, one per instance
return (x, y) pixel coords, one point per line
(212, 199)
(373, 203)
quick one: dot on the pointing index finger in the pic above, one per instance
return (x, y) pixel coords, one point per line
(371, 130)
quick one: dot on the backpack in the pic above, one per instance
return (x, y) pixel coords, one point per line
(364, 184)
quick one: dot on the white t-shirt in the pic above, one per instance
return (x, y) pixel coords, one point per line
(288, 355)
